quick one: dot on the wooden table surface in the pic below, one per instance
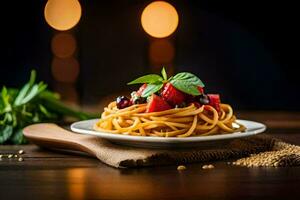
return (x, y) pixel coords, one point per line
(46, 174)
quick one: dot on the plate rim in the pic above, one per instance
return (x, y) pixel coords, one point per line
(111, 136)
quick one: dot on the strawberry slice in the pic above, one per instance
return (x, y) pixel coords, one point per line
(136, 96)
(141, 89)
(157, 104)
(214, 101)
(201, 90)
(172, 95)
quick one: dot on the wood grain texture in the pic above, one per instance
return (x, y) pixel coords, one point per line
(54, 175)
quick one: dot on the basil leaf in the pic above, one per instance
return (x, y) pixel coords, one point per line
(32, 93)
(187, 78)
(42, 86)
(151, 88)
(4, 96)
(164, 74)
(32, 77)
(150, 78)
(25, 89)
(185, 87)
(21, 94)
(5, 133)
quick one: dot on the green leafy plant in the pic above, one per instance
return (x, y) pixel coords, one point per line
(33, 103)
(184, 81)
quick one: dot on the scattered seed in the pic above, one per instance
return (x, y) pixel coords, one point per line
(20, 159)
(1, 155)
(181, 167)
(211, 166)
(10, 156)
(21, 151)
(204, 166)
(15, 155)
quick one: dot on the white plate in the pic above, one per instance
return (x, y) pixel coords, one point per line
(210, 141)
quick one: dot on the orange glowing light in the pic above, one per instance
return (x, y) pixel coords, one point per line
(68, 93)
(65, 70)
(62, 14)
(63, 45)
(161, 51)
(77, 187)
(159, 19)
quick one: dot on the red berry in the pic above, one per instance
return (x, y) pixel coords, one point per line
(141, 89)
(157, 104)
(172, 95)
(214, 101)
(201, 90)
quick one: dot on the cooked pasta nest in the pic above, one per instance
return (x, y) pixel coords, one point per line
(176, 122)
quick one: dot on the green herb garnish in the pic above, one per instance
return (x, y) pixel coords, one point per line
(184, 81)
(33, 103)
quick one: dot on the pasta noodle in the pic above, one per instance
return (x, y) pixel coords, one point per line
(176, 122)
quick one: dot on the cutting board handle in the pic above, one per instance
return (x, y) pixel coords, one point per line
(52, 136)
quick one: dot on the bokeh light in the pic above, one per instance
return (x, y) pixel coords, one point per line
(67, 93)
(77, 191)
(159, 19)
(65, 70)
(62, 14)
(161, 51)
(63, 45)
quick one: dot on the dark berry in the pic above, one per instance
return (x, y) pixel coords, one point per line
(122, 102)
(181, 105)
(204, 99)
(136, 99)
(139, 100)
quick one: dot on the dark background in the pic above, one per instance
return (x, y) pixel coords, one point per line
(244, 50)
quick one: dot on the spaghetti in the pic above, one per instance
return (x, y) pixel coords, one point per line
(175, 122)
